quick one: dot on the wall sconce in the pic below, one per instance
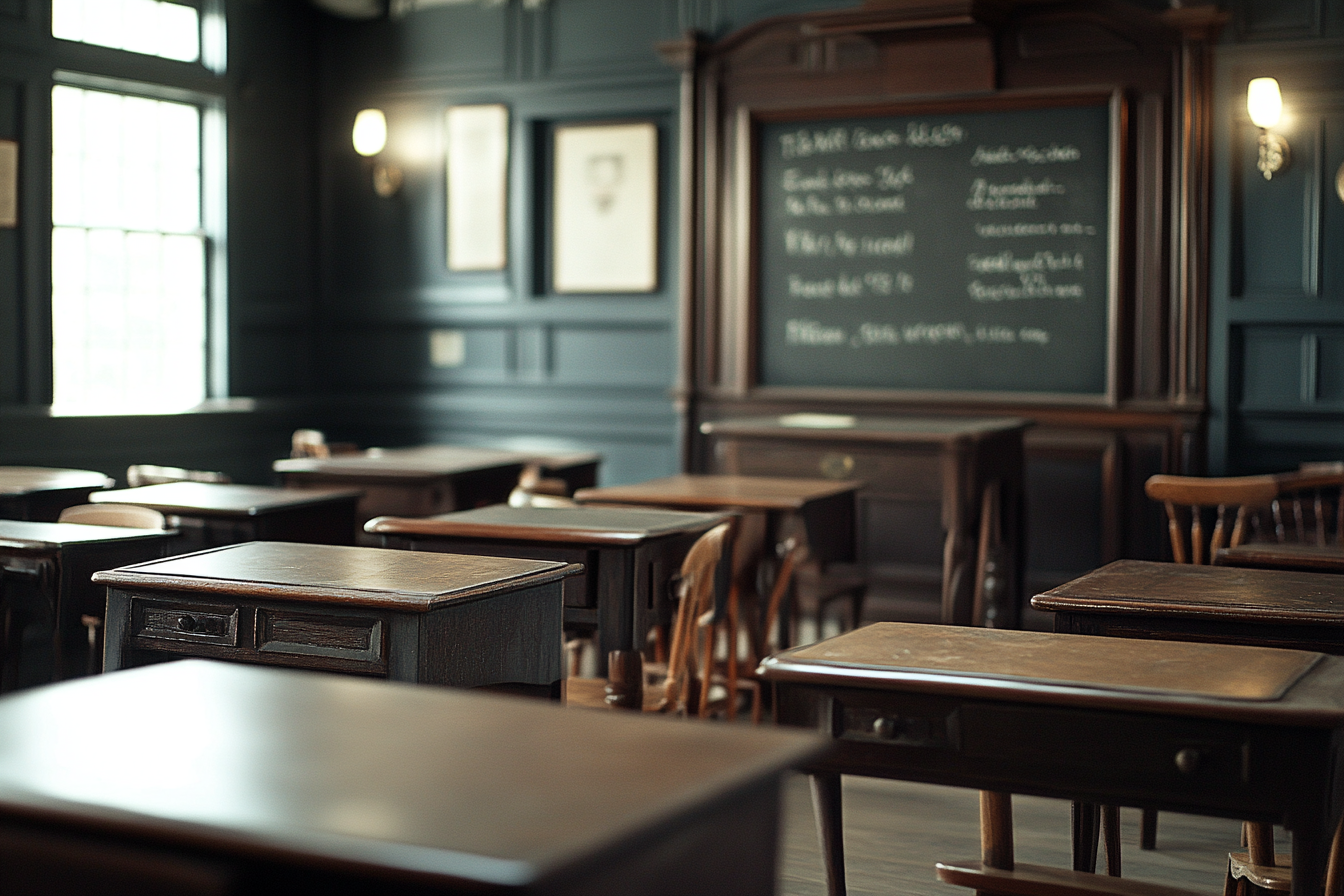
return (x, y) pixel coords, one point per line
(370, 137)
(1265, 104)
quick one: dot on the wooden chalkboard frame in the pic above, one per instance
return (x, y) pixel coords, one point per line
(746, 281)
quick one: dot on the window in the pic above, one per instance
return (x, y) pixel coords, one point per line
(135, 175)
(170, 30)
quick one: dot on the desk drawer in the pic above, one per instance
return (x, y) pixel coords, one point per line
(1173, 754)
(358, 638)
(184, 622)
(907, 474)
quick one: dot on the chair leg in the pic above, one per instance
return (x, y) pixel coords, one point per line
(996, 829)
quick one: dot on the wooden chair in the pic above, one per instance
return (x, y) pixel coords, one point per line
(535, 490)
(1187, 498)
(686, 684)
(152, 474)
(1309, 508)
(130, 516)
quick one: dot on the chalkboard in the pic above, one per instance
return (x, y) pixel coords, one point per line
(956, 249)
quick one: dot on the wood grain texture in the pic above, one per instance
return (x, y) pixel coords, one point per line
(1144, 587)
(357, 576)
(947, 659)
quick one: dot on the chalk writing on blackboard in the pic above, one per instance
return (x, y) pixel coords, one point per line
(963, 251)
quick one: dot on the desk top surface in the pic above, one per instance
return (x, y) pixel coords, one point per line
(423, 462)
(913, 430)
(25, 480)
(1290, 555)
(713, 491)
(1171, 677)
(569, 525)
(1143, 587)
(439, 782)
(358, 576)
(222, 498)
(25, 535)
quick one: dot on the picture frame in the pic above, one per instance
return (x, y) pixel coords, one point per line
(477, 162)
(604, 235)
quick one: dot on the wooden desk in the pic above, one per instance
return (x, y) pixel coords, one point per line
(410, 481)
(431, 618)
(1224, 604)
(211, 514)
(232, 779)
(45, 571)
(39, 494)
(1289, 555)
(1240, 732)
(940, 493)
(825, 507)
(629, 555)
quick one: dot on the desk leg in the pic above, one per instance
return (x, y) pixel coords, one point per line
(1085, 818)
(830, 833)
(1308, 861)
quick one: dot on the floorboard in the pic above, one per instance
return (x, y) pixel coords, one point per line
(895, 831)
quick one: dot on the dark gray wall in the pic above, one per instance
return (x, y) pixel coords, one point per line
(333, 292)
(1276, 334)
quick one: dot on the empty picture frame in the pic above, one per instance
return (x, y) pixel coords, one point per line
(477, 140)
(605, 207)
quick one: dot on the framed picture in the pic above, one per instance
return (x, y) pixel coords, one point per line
(478, 162)
(605, 202)
(9, 183)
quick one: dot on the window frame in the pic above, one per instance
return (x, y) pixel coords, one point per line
(200, 83)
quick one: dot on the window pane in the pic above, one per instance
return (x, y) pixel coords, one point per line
(127, 254)
(152, 27)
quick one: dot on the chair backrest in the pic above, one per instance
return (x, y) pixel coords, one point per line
(309, 443)
(152, 474)
(697, 597)
(130, 516)
(1184, 497)
(1310, 507)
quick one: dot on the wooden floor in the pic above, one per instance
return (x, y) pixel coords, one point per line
(895, 831)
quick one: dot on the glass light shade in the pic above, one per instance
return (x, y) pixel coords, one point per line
(1264, 102)
(370, 133)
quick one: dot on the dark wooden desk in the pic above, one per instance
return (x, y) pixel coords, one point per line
(211, 514)
(1241, 732)
(45, 571)
(39, 494)
(410, 481)
(825, 507)
(629, 555)
(431, 618)
(242, 780)
(939, 493)
(1224, 604)
(1289, 555)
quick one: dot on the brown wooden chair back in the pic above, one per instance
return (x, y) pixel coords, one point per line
(153, 474)
(130, 516)
(695, 611)
(1309, 508)
(1186, 497)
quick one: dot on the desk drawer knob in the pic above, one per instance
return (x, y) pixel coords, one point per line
(887, 728)
(1187, 760)
(187, 623)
